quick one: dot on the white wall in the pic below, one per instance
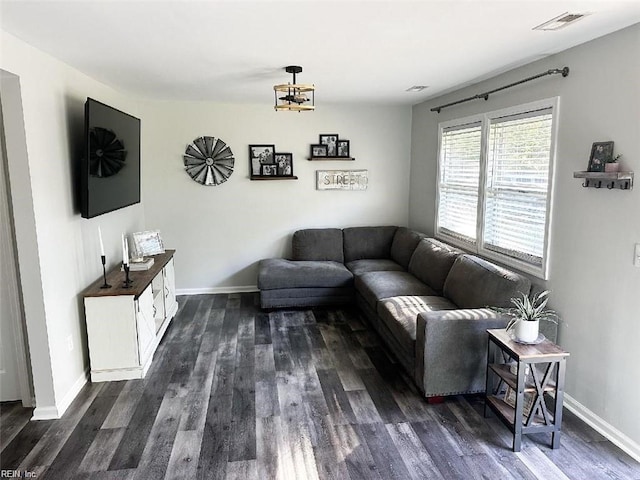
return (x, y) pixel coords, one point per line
(220, 232)
(595, 287)
(59, 255)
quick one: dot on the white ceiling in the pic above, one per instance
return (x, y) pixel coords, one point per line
(353, 51)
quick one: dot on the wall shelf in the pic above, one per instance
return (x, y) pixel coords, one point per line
(260, 177)
(315, 159)
(622, 180)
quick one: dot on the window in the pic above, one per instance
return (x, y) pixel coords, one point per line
(494, 184)
(460, 174)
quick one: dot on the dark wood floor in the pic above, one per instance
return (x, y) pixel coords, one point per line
(237, 393)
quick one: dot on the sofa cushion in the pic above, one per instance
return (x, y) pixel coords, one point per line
(305, 297)
(358, 267)
(367, 242)
(275, 273)
(431, 262)
(318, 244)
(399, 315)
(475, 283)
(403, 245)
(374, 286)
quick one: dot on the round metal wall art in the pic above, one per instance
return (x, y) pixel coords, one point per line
(209, 161)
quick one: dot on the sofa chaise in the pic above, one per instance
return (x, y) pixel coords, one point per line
(427, 300)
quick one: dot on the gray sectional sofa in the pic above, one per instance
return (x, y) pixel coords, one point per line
(426, 299)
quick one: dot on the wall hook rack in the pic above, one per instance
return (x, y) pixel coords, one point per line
(622, 180)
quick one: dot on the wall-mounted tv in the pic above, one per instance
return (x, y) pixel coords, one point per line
(110, 169)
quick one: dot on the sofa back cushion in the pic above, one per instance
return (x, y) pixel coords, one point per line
(431, 262)
(404, 244)
(475, 283)
(367, 242)
(318, 244)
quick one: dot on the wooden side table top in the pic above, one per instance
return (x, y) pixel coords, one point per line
(546, 349)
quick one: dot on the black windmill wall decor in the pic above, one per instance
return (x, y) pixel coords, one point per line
(107, 155)
(209, 161)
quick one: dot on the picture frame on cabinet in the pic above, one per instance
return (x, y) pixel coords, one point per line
(147, 243)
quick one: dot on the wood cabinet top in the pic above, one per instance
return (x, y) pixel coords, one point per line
(141, 280)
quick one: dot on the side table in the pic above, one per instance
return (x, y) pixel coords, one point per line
(517, 397)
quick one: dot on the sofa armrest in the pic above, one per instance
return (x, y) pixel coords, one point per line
(451, 350)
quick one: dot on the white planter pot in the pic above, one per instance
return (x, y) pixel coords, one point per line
(612, 167)
(526, 331)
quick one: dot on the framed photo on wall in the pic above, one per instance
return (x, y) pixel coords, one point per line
(261, 155)
(343, 148)
(318, 151)
(284, 163)
(601, 153)
(269, 170)
(331, 141)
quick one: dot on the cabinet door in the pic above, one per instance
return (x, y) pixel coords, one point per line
(145, 324)
(170, 303)
(112, 332)
(158, 300)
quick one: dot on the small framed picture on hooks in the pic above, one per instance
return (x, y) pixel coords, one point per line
(601, 153)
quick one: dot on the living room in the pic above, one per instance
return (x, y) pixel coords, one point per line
(220, 233)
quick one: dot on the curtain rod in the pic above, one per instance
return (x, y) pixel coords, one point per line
(564, 71)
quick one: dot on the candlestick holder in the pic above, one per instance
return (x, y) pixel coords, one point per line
(104, 272)
(127, 281)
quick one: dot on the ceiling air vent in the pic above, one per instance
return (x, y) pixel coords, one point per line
(561, 21)
(416, 88)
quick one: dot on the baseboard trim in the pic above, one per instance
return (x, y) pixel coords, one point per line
(56, 412)
(73, 391)
(604, 428)
(45, 413)
(214, 290)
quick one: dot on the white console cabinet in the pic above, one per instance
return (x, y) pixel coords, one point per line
(125, 325)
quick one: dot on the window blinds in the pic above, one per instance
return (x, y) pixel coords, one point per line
(518, 162)
(494, 184)
(459, 181)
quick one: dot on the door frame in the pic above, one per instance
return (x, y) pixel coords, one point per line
(17, 321)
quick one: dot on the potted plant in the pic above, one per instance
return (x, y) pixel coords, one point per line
(526, 315)
(612, 164)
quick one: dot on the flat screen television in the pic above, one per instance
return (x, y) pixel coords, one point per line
(110, 169)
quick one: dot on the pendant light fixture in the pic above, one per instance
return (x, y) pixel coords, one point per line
(292, 96)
